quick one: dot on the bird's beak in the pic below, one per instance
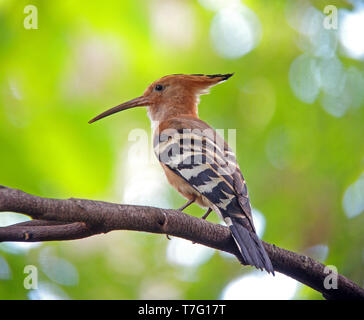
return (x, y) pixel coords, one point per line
(137, 102)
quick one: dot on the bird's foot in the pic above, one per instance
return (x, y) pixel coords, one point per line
(188, 203)
(206, 214)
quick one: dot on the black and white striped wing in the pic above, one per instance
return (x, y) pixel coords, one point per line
(206, 162)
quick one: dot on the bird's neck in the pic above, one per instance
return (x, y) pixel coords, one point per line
(163, 112)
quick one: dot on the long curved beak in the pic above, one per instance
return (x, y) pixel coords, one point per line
(137, 102)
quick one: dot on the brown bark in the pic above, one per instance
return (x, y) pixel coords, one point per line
(69, 219)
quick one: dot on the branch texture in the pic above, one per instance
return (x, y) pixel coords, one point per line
(69, 219)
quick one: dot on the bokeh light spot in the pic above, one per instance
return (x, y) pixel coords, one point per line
(173, 23)
(235, 31)
(217, 5)
(5, 272)
(140, 180)
(57, 269)
(318, 252)
(47, 291)
(304, 76)
(260, 286)
(259, 222)
(187, 254)
(351, 32)
(353, 201)
(332, 75)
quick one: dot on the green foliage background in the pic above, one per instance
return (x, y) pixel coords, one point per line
(87, 56)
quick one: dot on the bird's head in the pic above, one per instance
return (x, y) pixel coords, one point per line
(170, 96)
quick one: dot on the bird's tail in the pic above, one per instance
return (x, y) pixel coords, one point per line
(250, 246)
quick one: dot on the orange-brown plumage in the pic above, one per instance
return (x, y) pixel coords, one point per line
(180, 95)
(197, 162)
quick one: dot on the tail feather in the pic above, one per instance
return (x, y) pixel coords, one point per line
(250, 246)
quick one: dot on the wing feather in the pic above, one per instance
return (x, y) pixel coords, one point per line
(205, 162)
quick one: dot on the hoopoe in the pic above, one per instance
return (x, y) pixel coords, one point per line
(197, 162)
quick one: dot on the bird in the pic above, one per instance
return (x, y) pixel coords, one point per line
(197, 161)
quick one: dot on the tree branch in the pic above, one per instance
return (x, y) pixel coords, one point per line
(68, 219)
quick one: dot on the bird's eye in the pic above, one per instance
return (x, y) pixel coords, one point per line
(159, 87)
